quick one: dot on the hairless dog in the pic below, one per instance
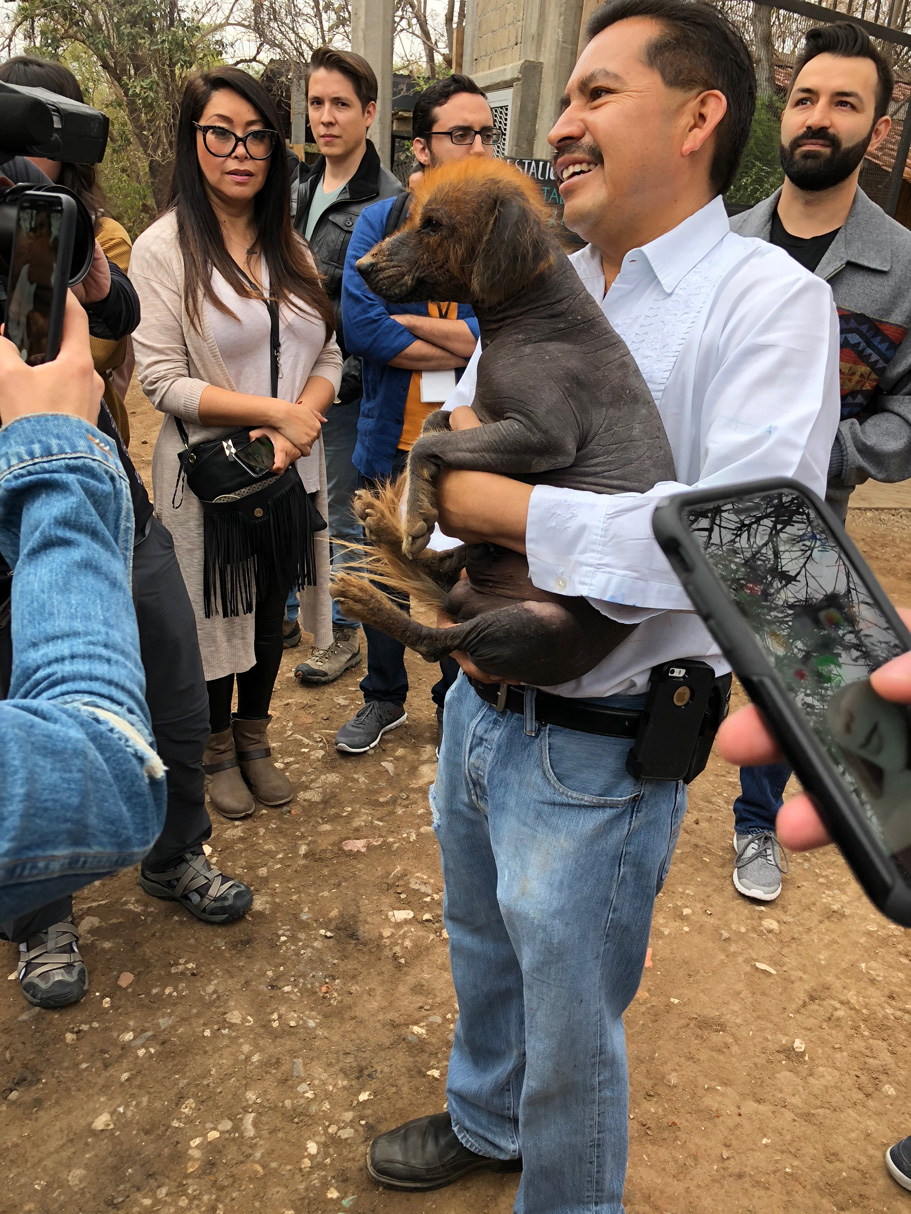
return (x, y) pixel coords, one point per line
(561, 402)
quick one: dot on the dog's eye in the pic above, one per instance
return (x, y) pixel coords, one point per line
(431, 225)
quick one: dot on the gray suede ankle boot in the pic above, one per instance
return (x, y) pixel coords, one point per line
(224, 783)
(269, 785)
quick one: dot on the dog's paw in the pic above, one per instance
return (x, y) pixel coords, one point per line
(417, 535)
(364, 505)
(354, 595)
(379, 528)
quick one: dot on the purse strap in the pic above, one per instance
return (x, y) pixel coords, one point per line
(275, 342)
(275, 350)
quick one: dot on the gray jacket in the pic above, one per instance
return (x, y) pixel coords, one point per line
(868, 266)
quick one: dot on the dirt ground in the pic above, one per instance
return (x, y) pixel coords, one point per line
(245, 1068)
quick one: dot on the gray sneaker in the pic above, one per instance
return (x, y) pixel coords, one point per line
(51, 972)
(325, 665)
(898, 1161)
(363, 731)
(760, 862)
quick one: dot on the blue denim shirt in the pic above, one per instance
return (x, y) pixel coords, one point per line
(371, 333)
(82, 791)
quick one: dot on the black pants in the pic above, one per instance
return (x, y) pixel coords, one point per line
(254, 686)
(178, 705)
(386, 677)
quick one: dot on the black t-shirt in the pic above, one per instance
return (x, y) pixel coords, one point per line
(808, 250)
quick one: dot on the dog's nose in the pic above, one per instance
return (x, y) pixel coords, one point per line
(364, 263)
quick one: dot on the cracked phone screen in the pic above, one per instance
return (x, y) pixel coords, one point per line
(823, 634)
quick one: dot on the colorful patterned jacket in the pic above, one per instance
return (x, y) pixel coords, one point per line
(868, 266)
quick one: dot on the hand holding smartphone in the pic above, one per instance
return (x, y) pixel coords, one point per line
(69, 384)
(804, 623)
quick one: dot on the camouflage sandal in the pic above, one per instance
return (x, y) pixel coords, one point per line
(51, 972)
(201, 888)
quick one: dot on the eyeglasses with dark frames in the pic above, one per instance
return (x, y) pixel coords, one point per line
(462, 136)
(219, 141)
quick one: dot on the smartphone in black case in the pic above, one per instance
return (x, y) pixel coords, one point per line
(39, 274)
(803, 622)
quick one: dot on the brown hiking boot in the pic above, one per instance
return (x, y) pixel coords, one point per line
(325, 665)
(269, 785)
(224, 783)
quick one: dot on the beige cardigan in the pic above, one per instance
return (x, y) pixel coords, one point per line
(175, 362)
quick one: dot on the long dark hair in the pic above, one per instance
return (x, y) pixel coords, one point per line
(82, 179)
(292, 277)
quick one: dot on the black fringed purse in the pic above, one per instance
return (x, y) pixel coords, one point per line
(258, 528)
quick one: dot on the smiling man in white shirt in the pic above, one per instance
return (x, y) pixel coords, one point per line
(552, 852)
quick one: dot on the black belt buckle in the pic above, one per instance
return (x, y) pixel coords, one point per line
(501, 697)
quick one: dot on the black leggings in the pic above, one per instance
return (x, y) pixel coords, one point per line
(254, 686)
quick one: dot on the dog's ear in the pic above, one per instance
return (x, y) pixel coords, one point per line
(514, 250)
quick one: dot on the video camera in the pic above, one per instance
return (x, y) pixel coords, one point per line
(46, 222)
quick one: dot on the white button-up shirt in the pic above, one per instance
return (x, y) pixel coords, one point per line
(739, 347)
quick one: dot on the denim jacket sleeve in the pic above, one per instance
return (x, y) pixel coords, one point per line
(370, 331)
(83, 790)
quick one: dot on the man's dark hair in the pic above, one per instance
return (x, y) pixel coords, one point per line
(698, 49)
(33, 72)
(437, 94)
(848, 40)
(355, 67)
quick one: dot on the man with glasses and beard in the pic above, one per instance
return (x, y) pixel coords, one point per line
(835, 114)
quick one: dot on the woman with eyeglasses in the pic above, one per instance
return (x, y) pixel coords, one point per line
(237, 332)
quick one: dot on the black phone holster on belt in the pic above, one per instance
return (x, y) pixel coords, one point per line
(685, 706)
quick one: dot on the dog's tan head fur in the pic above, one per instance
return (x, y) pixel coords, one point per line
(477, 233)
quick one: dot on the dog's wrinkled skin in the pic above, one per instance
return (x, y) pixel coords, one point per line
(561, 401)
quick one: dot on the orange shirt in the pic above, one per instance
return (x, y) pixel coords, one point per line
(416, 410)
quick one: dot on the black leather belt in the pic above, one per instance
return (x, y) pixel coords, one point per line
(561, 711)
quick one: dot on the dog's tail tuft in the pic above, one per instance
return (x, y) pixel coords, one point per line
(382, 561)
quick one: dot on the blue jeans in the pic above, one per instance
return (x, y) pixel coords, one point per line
(83, 790)
(339, 441)
(552, 857)
(761, 790)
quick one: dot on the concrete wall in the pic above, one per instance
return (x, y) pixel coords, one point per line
(529, 46)
(371, 36)
(588, 8)
(498, 34)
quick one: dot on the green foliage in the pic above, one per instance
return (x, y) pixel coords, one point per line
(125, 176)
(124, 172)
(144, 50)
(760, 170)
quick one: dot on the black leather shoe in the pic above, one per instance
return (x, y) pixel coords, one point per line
(425, 1154)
